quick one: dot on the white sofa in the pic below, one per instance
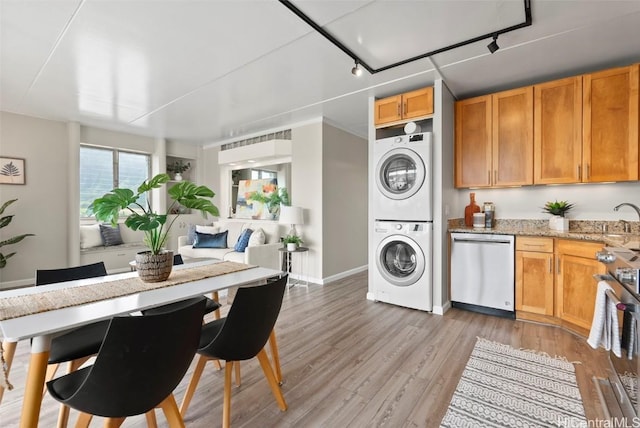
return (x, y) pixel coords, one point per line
(116, 257)
(265, 255)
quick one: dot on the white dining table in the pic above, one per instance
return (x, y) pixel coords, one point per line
(43, 326)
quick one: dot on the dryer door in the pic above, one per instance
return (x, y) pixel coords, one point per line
(400, 260)
(400, 173)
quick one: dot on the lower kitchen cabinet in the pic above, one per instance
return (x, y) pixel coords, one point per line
(534, 276)
(554, 281)
(575, 285)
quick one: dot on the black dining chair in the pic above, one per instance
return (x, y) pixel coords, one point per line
(141, 361)
(241, 335)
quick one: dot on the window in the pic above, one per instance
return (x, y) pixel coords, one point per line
(261, 174)
(104, 169)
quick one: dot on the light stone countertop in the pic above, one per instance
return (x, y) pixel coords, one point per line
(582, 230)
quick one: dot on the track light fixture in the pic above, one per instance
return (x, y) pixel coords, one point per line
(493, 46)
(356, 70)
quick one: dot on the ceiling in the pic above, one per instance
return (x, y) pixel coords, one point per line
(213, 71)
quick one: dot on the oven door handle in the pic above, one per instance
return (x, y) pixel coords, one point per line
(624, 307)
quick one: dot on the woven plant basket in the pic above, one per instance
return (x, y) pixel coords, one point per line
(154, 267)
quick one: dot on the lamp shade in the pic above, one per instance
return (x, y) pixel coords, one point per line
(291, 215)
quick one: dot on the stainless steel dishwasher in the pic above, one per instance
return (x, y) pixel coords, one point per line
(482, 273)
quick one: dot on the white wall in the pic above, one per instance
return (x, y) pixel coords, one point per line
(344, 201)
(592, 201)
(42, 206)
(306, 170)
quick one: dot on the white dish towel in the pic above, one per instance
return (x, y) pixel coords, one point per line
(605, 331)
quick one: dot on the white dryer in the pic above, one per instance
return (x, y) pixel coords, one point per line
(402, 274)
(403, 170)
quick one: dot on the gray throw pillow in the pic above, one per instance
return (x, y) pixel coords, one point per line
(110, 235)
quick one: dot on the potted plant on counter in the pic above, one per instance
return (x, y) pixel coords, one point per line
(558, 210)
(292, 242)
(153, 265)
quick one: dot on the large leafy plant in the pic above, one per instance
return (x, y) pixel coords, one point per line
(4, 222)
(154, 225)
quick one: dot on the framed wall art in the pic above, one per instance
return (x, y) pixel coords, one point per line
(12, 170)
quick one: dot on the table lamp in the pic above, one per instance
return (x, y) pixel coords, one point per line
(292, 216)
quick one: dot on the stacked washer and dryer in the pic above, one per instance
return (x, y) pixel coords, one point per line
(403, 221)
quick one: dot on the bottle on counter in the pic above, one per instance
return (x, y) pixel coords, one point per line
(470, 210)
(489, 214)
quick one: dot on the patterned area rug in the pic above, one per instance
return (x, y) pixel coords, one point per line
(506, 387)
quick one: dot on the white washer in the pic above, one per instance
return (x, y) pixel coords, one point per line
(402, 169)
(402, 274)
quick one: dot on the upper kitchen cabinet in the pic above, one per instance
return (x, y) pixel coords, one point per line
(557, 131)
(404, 107)
(473, 142)
(513, 137)
(494, 140)
(610, 125)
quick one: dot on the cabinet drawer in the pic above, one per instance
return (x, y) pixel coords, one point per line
(541, 245)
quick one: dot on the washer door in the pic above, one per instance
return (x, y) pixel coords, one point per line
(400, 260)
(400, 173)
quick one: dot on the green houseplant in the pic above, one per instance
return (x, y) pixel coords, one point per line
(4, 222)
(558, 210)
(292, 242)
(155, 226)
(178, 167)
(272, 200)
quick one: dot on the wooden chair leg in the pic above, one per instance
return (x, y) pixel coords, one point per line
(113, 422)
(268, 372)
(8, 351)
(150, 416)
(218, 365)
(51, 372)
(171, 412)
(216, 313)
(84, 419)
(273, 343)
(193, 383)
(226, 406)
(237, 366)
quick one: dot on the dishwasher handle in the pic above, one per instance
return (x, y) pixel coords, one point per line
(481, 241)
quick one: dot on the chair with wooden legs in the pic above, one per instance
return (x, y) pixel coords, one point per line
(242, 335)
(213, 304)
(78, 345)
(141, 361)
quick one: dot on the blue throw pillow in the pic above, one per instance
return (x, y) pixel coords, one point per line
(208, 240)
(243, 240)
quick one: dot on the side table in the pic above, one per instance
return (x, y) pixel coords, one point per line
(287, 262)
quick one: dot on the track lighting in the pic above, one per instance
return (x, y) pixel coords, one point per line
(356, 70)
(493, 46)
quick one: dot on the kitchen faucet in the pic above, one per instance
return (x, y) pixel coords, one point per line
(635, 207)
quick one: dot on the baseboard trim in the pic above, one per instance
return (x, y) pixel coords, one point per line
(441, 310)
(340, 275)
(19, 283)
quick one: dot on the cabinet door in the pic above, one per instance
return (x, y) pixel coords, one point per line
(534, 282)
(512, 137)
(610, 125)
(388, 110)
(473, 142)
(417, 103)
(557, 143)
(575, 285)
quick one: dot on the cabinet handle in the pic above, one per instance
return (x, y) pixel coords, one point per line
(495, 176)
(399, 112)
(588, 172)
(489, 177)
(404, 108)
(558, 265)
(550, 264)
(579, 173)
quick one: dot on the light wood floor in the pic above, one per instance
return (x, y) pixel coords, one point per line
(350, 362)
